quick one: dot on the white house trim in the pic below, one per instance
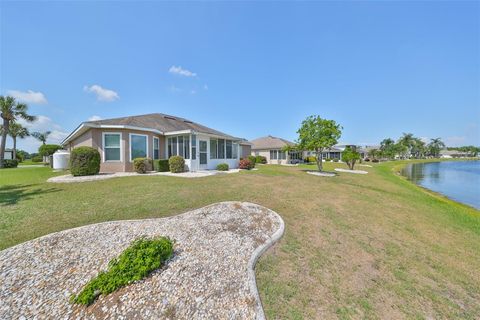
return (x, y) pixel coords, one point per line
(103, 146)
(130, 144)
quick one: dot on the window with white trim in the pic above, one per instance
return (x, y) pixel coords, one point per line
(273, 154)
(138, 146)
(112, 146)
(228, 149)
(179, 145)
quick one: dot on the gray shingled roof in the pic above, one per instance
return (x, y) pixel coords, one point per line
(270, 142)
(161, 122)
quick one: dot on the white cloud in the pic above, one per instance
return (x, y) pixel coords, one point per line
(181, 72)
(102, 93)
(94, 118)
(42, 124)
(28, 96)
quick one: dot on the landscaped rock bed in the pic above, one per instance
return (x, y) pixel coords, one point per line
(322, 174)
(68, 178)
(351, 171)
(211, 275)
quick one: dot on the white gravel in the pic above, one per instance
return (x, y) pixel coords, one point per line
(321, 174)
(351, 171)
(210, 277)
(68, 178)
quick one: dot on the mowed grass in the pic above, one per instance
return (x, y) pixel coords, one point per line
(356, 246)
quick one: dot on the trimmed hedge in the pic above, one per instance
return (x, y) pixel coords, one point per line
(10, 163)
(222, 167)
(46, 150)
(246, 164)
(84, 161)
(260, 159)
(161, 165)
(176, 164)
(252, 159)
(37, 159)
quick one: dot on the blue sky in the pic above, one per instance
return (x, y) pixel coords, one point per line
(248, 68)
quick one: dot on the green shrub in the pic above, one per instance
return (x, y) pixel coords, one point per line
(161, 165)
(176, 164)
(311, 159)
(222, 167)
(135, 263)
(84, 161)
(260, 159)
(140, 165)
(328, 159)
(10, 163)
(335, 160)
(37, 159)
(46, 150)
(252, 159)
(246, 164)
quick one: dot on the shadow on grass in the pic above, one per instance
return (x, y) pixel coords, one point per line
(12, 194)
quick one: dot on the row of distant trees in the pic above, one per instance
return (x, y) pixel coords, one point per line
(411, 147)
(11, 112)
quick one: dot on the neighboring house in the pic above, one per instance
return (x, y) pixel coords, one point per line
(336, 151)
(245, 149)
(8, 155)
(272, 149)
(157, 136)
(454, 154)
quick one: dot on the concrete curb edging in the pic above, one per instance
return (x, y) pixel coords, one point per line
(253, 261)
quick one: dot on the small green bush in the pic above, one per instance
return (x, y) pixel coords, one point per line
(246, 164)
(37, 159)
(84, 161)
(176, 164)
(311, 159)
(161, 165)
(46, 150)
(135, 263)
(140, 165)
(328, 159)
(222, 167)
(252, 159)
(335, 160)
(10, 163)
(260, 159)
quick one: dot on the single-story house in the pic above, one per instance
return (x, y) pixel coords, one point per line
(272, 149)
(454, 154)
(336, 151)
(245, 149)
(157, 136)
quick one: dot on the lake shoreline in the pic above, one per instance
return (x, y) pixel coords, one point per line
(399, 170)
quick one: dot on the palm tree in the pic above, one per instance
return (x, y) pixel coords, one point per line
(408, 141)
(10, 111)
(16, 130)
(435, 146)
(42, 136)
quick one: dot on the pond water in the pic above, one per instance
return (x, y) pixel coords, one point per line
(458, 180)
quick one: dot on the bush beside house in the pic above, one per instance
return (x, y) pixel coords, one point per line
(246, 164)
(261, 159)
(222, 167)
(84, 161)
(252, 159)
(176, 164)
(161, 165)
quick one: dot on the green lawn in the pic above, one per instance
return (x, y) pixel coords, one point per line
(356, 246)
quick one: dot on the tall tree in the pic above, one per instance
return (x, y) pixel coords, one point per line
(435, 146)
(318, 134)
(10, 111)
(41, 136)
(17, 131)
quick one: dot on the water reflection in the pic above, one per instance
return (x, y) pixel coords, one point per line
(458, 180)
